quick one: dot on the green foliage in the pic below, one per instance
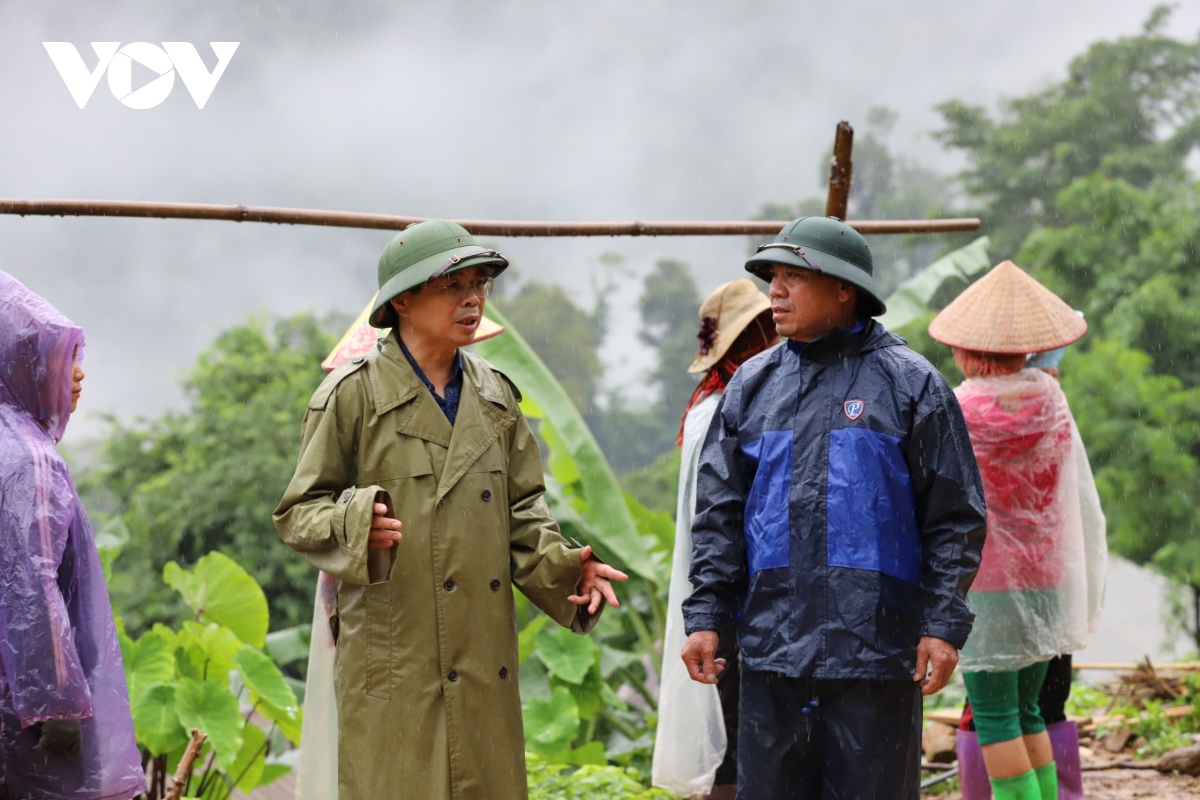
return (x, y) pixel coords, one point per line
(561, 782)
(1126, 110)
(587, 492)
(207, 478)
(570, 684)
(567, 657)
(551, 725)
(1142, 431)
(564, 336)
(210, 674)
(1086, 182)
(220, 591)
(656, 486)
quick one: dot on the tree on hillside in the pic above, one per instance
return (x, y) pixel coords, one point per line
(1127, 109)
(1130, 258)
(208, 477)
(670, 306)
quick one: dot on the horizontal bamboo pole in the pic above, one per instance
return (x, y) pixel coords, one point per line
(349, 219)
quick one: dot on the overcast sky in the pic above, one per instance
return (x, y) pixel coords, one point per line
(611, 109)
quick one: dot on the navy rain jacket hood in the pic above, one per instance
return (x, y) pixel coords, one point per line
(839, 510)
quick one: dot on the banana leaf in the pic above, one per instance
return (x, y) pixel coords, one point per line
(576, 462)
(911, 300)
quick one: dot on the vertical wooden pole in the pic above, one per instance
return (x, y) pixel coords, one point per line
(841, 172)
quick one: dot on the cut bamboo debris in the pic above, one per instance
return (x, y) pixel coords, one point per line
(351, 219)
(841, 172)
(184, 773)
(1181, 666)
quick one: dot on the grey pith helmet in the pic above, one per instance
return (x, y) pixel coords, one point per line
(422, 251)
(825, 245)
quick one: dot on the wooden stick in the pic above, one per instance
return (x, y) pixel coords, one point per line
(184, 772)
(350, 219)
(841, 172)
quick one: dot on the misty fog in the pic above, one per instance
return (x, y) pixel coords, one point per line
(614, 110)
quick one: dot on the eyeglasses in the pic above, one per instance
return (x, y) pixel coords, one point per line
(457, 291)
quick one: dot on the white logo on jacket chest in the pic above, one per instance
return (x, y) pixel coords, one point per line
(853, 409)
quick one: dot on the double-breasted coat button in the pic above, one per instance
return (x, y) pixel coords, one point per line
(452, 675)
(486, 495)
(448, 585)
(495, 584)
(503, 673)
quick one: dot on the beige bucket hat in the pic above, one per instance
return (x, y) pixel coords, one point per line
(1007, 312)
(724, 315)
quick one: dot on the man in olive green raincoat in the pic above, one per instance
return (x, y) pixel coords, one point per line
(421, 436)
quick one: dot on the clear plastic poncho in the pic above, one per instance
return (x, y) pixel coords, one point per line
(59, 654)
(317, 766)
(690, 743)
(1040, 586)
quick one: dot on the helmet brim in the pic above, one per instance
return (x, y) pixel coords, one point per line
(761, 263)
(416, 275)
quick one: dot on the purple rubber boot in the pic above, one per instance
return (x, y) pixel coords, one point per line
(972, 775)
(1064, 741)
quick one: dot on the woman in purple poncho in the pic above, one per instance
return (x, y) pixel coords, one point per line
(65, 727)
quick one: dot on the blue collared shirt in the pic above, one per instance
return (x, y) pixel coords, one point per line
(449, 403)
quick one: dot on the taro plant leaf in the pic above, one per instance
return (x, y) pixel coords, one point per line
(264, 680)
(551, 725)
(272, 773)
(220, 591)
(209, 650)
(658, 525)
(612, 659)
(156, 721)
(211, 707)
(587, 692)
(568, 656)
(604, 509)
(534, 682)
(289, 645)
(153, 658)
(911, 299)
(590, 753)
(247, 770)
(527, 638)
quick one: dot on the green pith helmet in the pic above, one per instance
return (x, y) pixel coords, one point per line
(422, 251)
(825, 245)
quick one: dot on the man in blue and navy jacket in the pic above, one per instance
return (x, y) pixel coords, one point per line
(839, 523)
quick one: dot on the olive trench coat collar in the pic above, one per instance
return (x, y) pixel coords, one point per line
(483, 412)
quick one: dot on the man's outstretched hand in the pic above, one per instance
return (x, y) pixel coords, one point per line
(699, 654)
(385, 530)
(936, 660)
(594, 586)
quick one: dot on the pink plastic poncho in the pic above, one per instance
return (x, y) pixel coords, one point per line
(59, 652)
(1040, 586)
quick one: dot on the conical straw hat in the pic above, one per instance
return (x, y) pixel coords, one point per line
(727, 311)
(1007, 311)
